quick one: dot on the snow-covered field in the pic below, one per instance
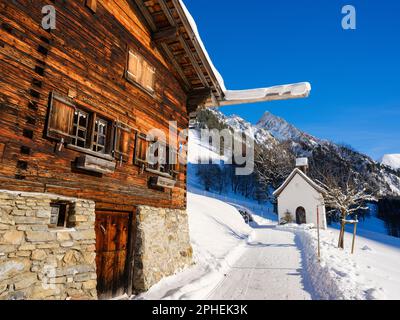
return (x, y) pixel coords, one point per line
(266, 261)
(371, 273)
(218, 235)
(278, 262)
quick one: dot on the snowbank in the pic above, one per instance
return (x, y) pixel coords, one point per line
(218, 236)
(337, 276)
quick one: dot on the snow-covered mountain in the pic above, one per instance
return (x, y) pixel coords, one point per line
(282, 130)
(271, 130)
(391, 160)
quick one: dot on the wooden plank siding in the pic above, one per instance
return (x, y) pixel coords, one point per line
(86, 54)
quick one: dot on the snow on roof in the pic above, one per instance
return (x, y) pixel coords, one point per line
(289, 91)
(193, 24)
(290, 178)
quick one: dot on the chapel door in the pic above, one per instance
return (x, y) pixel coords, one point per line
(113, 254)
(300, 215)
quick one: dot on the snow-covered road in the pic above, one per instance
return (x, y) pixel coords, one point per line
(269, 269)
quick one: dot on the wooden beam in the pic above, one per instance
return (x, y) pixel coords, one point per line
(176, 65)
(165, 35)
(193, 60)
(146, 14)
(167, 12)
(197, 45)
(198, 98)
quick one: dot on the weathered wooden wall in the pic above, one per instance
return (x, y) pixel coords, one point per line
(86, 53)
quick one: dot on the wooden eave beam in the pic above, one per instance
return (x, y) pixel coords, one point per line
(167, 12)
(197, 98)
(163, 46)
(197, 46)
(165, 35)
(146, 14)
(188, 51)
(176, 65)
(193, 60)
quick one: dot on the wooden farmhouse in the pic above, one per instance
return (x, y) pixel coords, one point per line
(83, 212)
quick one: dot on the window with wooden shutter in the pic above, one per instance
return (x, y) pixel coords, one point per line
(134, 71)
(140, 71)
(141, 148)
(158, 156)
(122, 135)
(61, 117)
(173, 162)
(148, 76)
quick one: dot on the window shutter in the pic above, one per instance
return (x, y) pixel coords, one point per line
(140, 71)
(122, 134)
(92, 5)
(141, 148)
(148, 77)
(134, 71)
(173, 162)
(60, 121)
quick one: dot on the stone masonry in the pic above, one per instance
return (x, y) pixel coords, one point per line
(40, 262)
(162, 245)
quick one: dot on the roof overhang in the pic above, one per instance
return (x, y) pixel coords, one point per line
(295, 172)
(176, 35)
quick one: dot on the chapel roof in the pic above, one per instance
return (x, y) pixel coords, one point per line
(295, 172)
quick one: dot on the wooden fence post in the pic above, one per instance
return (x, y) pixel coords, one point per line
(319, 244)
(354, 235)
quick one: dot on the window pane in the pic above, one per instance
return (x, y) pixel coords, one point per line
(81, 144)
(100, 136)
(55, 211)
(81, 133)
(83, 120)
(102, 140)
(80, 129)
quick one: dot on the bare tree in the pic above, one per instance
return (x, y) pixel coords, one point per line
(273, 165)
(344, 193)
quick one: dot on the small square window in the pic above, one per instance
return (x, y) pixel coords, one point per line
(140, 71)
(59, 215)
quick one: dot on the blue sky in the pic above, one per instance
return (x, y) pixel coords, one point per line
(355, 74)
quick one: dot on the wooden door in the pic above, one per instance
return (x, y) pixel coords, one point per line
(112, 253)
(300, 215)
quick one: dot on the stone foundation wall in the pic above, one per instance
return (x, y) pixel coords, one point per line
(162, 245)
(40, 262)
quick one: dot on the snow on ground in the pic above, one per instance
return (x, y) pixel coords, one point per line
(266, 261)
(218, 235)
(391, 160)
(371, 273)
(234, 260)
(199, 153)
(269, 269)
